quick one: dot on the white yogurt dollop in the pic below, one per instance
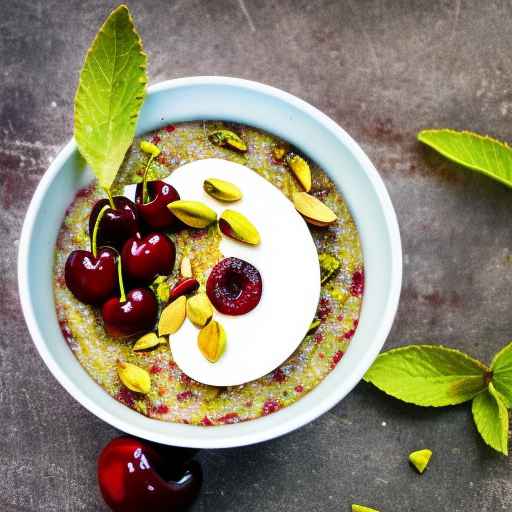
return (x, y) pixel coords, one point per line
(259, 341)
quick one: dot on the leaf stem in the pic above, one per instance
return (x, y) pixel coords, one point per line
(110, 199)
(122, 295)
(145, 180)
(96, 229)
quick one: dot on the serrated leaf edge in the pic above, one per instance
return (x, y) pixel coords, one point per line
(143, 80)
(499, 353)
(485, 369)
(503, 417)
(421, 137)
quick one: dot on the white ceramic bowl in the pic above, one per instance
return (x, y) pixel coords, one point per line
(318, 137)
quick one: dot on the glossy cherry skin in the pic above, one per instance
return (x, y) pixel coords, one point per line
(136, 315)
(155, 213)
(117, 225)
(234, 286)
(137, 476)
(144, 258)
(91, 279)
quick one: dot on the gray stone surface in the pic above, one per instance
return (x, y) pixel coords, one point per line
(383, 70)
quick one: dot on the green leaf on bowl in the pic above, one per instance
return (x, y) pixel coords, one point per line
(110, 95)
(428, 375)
(491, 419)
(501, 367)
(478, 152)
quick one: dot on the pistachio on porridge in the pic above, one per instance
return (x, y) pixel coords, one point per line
(172, 316)
(313, 210)
(300, 168)
(227, 138)
(147, 342)
(173, 396)
(134, 378)
(279, 152)
(329, 265)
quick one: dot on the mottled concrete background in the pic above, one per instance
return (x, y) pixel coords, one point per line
(383, 70)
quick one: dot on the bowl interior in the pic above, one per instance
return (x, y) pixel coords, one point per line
(287, 117)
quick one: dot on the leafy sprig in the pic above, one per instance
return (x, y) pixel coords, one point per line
(435, 376)
(110, 95)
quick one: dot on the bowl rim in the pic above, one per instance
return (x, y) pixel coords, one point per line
(275, 428)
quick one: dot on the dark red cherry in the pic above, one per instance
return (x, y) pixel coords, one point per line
(137, 476)
(117, 225)
(91, 279)
(234, 286)
(145, 258)
(137, 314)
(155, 212)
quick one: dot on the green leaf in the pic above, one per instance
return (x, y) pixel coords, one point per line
(491, 419)
(428, 375)
(478, 152)
(501, 367)
(109, 96)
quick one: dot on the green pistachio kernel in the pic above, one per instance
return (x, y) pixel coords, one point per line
(163, 292)
(227, 138)
(361, 508)
(328, 266)
(420, 459)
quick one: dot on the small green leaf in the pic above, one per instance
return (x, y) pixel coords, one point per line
(501, 367)
(478, 152)
(428, 375)
(491, 419)
(109, 96)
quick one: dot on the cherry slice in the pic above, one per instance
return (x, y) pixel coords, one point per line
(234, 286)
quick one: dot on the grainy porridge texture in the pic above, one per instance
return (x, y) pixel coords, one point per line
(174, 396)
(382, 69)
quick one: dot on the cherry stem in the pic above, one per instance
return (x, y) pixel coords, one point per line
(145, 180)
(110, 199)
(96, 229)
(122, 297)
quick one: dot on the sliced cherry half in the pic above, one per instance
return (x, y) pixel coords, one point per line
(153, 209)
(91, 275)
(145, 258)
(118, 224)
(234, 286)
(136, 476)
(131, 313)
